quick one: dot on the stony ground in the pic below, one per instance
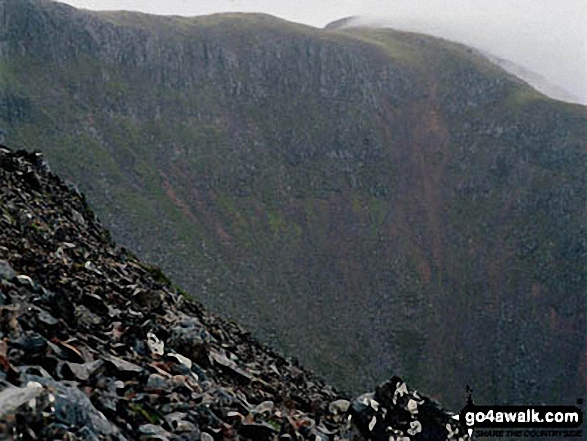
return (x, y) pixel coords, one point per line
(95, 344)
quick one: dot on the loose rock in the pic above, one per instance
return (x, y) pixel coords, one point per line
(92, 347)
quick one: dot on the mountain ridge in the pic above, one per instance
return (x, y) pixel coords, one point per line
(520, 69)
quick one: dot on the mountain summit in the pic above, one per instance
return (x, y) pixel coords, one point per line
(372, 201)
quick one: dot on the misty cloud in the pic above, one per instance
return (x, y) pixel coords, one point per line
(546, 37)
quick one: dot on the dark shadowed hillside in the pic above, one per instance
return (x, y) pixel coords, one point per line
(368, 200)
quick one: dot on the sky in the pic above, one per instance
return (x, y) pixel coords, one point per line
(548, 37)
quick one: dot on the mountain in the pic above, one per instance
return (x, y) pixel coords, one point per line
(342, 22)
(97, 345)
(371, 201)
(524, 62)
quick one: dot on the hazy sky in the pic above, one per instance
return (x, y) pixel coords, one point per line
(546, 36)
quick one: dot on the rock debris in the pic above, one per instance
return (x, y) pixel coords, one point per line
(94, 345)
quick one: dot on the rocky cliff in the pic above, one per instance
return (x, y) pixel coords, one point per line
(370, 201)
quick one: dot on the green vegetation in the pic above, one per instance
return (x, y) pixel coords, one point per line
(150, 417)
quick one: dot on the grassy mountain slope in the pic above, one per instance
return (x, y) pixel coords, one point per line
(361, 197)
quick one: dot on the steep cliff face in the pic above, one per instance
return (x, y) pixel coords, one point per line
(394, 199)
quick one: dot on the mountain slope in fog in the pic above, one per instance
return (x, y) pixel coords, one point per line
(543, 46)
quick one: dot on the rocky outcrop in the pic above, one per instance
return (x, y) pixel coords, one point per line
(95, 344)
